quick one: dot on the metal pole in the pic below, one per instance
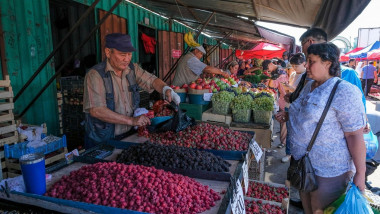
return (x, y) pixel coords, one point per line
(187, 49)
(215, 46)
(226, 58)
(39, 69)
(69, 59)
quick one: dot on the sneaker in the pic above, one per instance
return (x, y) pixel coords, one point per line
(286, 159)
(281, 146)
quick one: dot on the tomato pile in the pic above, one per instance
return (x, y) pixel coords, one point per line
(258, 207)
(266, 192)
(202, 136)
(134, 187)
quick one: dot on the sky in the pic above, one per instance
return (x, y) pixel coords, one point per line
(369, 18)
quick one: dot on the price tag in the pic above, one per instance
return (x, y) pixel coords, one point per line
(235, 86)
(256, 150)
(238, 206)
(207, 96)
(245, 176)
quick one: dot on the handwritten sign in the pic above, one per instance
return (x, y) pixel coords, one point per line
(256, 150)
(245, 176)
(207, 96)
(176, 53)
(238, 206)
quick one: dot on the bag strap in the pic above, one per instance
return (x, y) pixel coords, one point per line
(319, 125)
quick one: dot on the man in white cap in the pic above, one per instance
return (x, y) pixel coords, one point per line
(190, 67)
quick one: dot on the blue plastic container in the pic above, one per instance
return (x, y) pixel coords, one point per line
(197, 99)
(182, 96)
(19, 149)
(33, 172)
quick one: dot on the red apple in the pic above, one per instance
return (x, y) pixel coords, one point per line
(193, 85)
(177, 87)
(207, 87)
(185, 86)
(199, 87)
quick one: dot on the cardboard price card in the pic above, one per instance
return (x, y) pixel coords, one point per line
(207, 96)
(256, 150)
(238, 206)
(245, 176)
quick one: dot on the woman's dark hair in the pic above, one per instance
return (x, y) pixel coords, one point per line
(297, 59)
(328, 52)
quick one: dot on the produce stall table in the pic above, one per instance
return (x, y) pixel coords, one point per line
(68, 206)
(263, 132)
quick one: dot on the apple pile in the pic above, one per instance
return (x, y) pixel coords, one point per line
(202, 136)
(266, 192)
(258, 207)
(184, 86)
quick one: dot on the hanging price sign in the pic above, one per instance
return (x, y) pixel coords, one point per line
(245, 176)
(256, 150)
(237, 205)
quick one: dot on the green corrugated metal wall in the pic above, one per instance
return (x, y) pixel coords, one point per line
(28, 41)
(135, 15)
(26, 26)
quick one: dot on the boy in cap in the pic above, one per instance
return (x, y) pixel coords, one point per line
(111, 92)
(190, 67)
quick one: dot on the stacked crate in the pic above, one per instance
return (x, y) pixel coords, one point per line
(72, 111)
(60, 102)
(8, 132)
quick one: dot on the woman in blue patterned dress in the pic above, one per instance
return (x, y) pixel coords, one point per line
(339, 149)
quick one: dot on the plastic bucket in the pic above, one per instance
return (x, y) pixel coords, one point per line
(182, 96)
(33, 172)
(197, 99)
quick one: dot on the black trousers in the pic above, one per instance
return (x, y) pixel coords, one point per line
(369, 83)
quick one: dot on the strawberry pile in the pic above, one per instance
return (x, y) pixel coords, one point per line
(258, 207)
(202, 136)
(266, 192)
(135, 187)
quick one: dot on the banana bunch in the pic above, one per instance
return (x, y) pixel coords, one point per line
(189, 39)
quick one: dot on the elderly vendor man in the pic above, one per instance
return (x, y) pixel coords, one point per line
(190, 67)
(111, 92)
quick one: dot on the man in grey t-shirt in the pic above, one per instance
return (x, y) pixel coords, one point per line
(190, 67)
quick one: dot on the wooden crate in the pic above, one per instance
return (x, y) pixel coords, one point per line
(8, 133)
(14, 168)
(208, 116)
(263, 133)
(3, 169)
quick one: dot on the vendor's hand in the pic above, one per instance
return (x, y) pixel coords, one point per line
(225, 75)
(287, 97)
(168, 95)
(359, 181)
(367, 128)
(282, 116)
(140, 121)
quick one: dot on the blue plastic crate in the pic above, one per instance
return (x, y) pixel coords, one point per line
(20, 149)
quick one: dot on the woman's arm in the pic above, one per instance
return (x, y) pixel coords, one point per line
(356, 146)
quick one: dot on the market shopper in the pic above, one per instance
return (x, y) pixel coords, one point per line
(232, 68)
(298, 63)
(351, 63)
(340, 141)
(111, 92)
(368, 76)
(190, 67)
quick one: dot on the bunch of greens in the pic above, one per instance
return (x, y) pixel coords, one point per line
(241, 102)
(223, 96)
(262, 104)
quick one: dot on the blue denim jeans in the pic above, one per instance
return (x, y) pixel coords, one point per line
(287, 145)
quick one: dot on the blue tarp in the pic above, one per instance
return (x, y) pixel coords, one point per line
(363, 52)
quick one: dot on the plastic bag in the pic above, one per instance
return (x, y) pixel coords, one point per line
(371, 145)
(354, 203)
(179, 122)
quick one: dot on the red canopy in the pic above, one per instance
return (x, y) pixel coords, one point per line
(346, 57)
(375, 54)
(261, 51)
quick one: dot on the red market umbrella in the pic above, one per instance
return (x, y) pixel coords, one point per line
(375, 54)
(346, 57)
(261, 51)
